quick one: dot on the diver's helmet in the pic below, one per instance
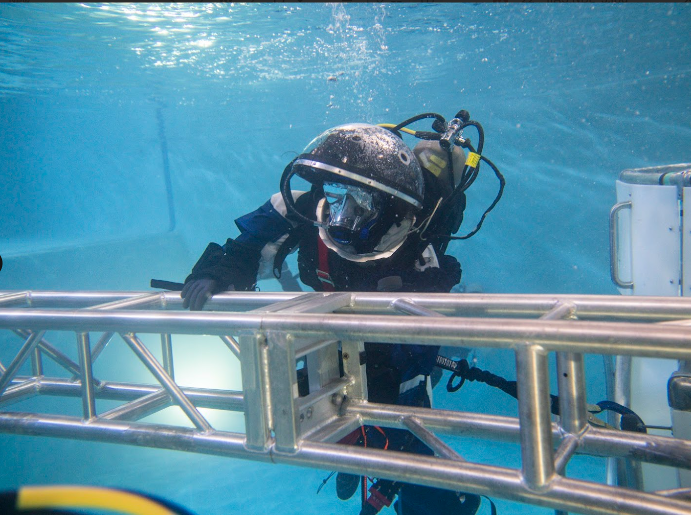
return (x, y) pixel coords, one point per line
(372, 183)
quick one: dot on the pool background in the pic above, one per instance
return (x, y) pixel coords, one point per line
(132, 135)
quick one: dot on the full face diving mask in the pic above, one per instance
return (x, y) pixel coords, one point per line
(352, 212)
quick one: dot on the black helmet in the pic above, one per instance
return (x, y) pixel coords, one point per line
(363, 155)
(383, 184)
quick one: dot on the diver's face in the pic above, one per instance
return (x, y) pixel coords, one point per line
(352, 211)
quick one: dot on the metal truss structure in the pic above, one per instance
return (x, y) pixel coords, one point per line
(269, 332)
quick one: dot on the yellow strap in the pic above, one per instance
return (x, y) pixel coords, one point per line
(472, 159)
(403, 129)
(112, 500)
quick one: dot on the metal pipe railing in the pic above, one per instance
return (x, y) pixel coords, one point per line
(283, 426)
(566, 494)
(639, 339)
(630, 308)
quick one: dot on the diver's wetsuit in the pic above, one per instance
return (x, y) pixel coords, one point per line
(396, 373)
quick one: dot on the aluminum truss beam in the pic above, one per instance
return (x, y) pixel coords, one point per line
(268, 332)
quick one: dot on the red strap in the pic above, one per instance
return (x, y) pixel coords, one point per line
(352, 437)
(378, 500)
(323, 266)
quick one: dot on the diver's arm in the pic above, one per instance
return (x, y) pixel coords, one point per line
(235, 265)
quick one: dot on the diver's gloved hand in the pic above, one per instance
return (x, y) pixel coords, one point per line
(451, 268)
(196, 292)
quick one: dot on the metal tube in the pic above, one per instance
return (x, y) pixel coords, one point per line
(303, 348)
(680, 492)
(205, 398)
(101, 345)
(333, 387)
(22, 355)
(572, 392)
(256, 399)
(285, 422)
(659, 341)
(631, 308)
(141, 301)
(139, 408)
(36, 362)
(408, 307)
(533, 391)
(14, 298)
(312, 302)
(567, 447)
(334, 430)
(566, 494)
(88, 399)
(425, 435)
(59, 357)
(19, 392)
(167, 354)
(155, 368)
(231, 344)
(594, 441)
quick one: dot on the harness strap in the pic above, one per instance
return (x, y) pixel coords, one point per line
(323, 266)
(286, 247)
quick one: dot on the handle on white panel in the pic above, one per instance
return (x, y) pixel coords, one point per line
(614, 271)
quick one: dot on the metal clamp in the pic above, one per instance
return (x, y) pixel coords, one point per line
(614, 272)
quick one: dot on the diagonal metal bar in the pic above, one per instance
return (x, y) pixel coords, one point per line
(166, 382)
(312, 302)
(132, 302)
(10, 299)
(409, 307)
(435, 443)
(22, 355)
(139, 408)
(19, 391)
(101, 345)
(58, 357)
(232, 344)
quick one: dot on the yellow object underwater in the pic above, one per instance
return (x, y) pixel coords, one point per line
(83, 498)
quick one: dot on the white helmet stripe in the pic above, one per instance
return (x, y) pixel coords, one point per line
(360, 179)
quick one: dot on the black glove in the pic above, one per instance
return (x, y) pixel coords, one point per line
(196, 292)
(451, 269)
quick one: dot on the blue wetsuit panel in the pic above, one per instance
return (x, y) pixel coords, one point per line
(413, 359)
(262, 226)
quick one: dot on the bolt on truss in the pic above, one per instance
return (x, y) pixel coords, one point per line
(269, 332)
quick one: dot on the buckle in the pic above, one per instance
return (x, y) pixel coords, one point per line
(324, 277)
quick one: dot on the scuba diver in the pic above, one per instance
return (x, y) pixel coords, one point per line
(378, 217)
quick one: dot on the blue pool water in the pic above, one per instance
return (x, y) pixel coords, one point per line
(131, 135)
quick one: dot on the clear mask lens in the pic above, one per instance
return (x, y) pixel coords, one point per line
(351, 208)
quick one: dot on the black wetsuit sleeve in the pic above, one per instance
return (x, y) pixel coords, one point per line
(233, 264)
(237, 262)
